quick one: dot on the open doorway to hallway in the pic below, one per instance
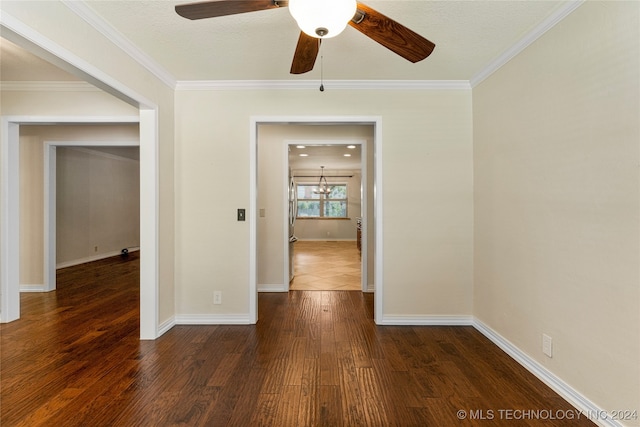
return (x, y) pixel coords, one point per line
(268, 215)
(326, 205)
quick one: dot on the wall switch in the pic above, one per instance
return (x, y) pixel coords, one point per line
(241, 214)
(262, 213)
(95, 249)
(547, 345)
(217, 297)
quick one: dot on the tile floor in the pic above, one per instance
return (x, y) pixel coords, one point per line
(326, 266)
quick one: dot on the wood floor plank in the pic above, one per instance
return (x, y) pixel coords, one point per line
(315, 358)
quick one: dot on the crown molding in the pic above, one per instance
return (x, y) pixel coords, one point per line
(46, 86)
(506, 56)
(328, 84)
(117, 38)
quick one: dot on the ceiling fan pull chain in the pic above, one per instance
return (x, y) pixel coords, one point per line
(321, 67)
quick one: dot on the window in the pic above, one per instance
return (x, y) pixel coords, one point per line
(313, 205)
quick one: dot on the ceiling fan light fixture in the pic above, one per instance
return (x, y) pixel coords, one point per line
(322, 18)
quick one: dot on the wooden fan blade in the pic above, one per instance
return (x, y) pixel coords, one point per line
(391, 34)
(306, 53)
(211, 9)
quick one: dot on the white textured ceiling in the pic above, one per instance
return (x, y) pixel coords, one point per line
(260, 45)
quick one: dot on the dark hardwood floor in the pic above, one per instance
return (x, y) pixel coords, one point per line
(315, 358)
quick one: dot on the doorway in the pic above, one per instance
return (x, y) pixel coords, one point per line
(122, 208)
(260, 211)
(147, 117)
(327, 202)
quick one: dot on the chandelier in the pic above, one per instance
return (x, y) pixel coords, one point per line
(323, 186)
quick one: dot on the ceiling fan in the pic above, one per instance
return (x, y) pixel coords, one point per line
(315, 18)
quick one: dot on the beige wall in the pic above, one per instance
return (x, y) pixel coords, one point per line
(63, 103)
(557, 220)
(98, 204)
(427, 174)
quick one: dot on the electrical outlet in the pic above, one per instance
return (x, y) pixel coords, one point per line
(217, 297)
(547, 345)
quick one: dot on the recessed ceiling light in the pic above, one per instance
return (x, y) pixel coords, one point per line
(301, 146)
(351, 147)
(347, 155)
(304, 155)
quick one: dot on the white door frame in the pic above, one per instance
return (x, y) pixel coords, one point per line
(10, 209)
(34, 42)
(376, 121)
(50, 191)
(363, 202)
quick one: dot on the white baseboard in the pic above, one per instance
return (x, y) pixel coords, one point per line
(32, 288)
(92, 258)
(272, 288)
(580, 402)
(326, 240)
(166, 326)
(427, 320)
(212, 319)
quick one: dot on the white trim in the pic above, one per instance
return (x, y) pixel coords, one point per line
(198, 85)
(253, 221)
(326, 240)
(378, 219)
(428, 320)
(149, 224)
(118, 39)
(166, 326)
(273, 288)
(50, 215)
(33, 288)
(567, 392)
(38, 86)
(213, 319)
(10, 221)
(54, 120)
(288, 180)
(506, 56)
(98, 143)
(364, 218)
(85, 260)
